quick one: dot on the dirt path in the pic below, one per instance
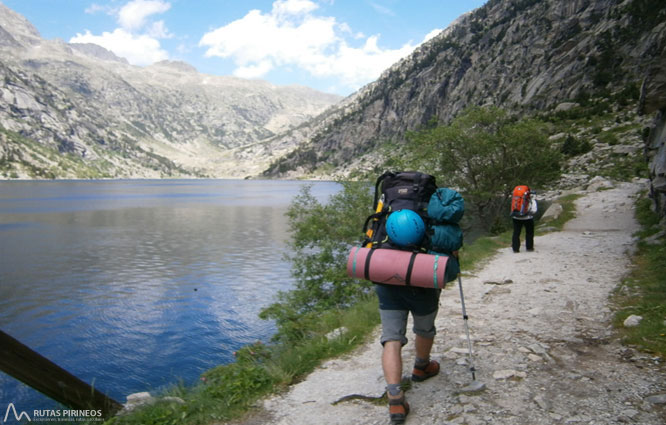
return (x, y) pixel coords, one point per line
(543, 343)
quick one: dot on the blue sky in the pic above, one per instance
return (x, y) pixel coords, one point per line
(336, 46)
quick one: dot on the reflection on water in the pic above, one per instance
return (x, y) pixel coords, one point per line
(135, 284)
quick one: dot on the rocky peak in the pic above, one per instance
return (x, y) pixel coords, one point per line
(96, 51)
(14, 27)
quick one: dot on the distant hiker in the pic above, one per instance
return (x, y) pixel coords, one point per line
(523, 209)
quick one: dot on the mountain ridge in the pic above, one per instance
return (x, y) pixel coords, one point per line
(75, 110)
(79, 111)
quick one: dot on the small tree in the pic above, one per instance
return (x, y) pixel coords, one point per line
(484, 153)
(321, 237)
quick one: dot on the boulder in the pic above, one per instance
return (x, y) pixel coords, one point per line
(598, 183)
(553, 212)
(632, 321)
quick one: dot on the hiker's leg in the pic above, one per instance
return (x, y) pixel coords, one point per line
(394, 328)
(392, 366)
(515, 239)
(425, 330)
(423, 346)
(392, 362)
(393, 315)
(529, 234)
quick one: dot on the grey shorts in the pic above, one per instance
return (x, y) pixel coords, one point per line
(394, 325)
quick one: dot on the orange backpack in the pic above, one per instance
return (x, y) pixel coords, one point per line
(520, 201)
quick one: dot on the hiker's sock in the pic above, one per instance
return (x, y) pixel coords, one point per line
(420, 363)
(393, 389)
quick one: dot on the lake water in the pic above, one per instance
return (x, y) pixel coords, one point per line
(131, 285)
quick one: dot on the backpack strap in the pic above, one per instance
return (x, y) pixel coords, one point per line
(371, 217)
(367, 264)
(408, 277)
(380, 179)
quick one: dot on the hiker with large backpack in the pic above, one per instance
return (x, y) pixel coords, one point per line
(523, 209)
(411, 214)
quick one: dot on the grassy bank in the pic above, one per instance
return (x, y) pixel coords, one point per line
(228, 391)
(643, 292)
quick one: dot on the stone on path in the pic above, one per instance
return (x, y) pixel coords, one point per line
(657, 399)
(473, 387)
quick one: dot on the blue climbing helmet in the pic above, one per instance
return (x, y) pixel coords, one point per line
(405, 227)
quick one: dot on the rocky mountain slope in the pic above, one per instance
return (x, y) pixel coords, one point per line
(75, 110)
(527, 56)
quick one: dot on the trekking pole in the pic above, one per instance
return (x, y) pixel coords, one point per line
(464, 313)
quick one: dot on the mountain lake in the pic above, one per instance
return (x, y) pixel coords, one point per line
(132, 285)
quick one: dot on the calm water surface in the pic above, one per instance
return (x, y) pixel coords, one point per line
(132, 285)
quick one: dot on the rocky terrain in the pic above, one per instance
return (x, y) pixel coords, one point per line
(77, 110)
(543, 346)
(529, 57)
(71, 110)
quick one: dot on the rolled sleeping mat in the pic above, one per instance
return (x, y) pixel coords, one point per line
(396, 267)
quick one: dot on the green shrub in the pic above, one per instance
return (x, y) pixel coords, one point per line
(322, 235)
(573, 146)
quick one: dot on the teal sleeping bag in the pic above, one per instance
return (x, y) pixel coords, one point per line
(445, 209)
(446, 206)
(445, 238)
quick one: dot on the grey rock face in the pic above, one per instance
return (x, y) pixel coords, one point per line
(112, 119)
(525, 56)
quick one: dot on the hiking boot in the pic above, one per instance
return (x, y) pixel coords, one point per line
(421, 374)
(398, 409)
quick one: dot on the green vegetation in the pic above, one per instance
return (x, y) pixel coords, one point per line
(643, 292)
(484, 153)
(26, 156)
(573, 146)
(595, 122)
(321, 236)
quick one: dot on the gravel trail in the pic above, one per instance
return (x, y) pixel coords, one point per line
(543, 343)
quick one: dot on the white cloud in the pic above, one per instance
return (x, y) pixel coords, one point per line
(158, 30)
(137, 49)
(382, 9)
(291, 35)
(95, 8)
(137, 39)
(355, 67)
(293, 7)
(134, 15)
